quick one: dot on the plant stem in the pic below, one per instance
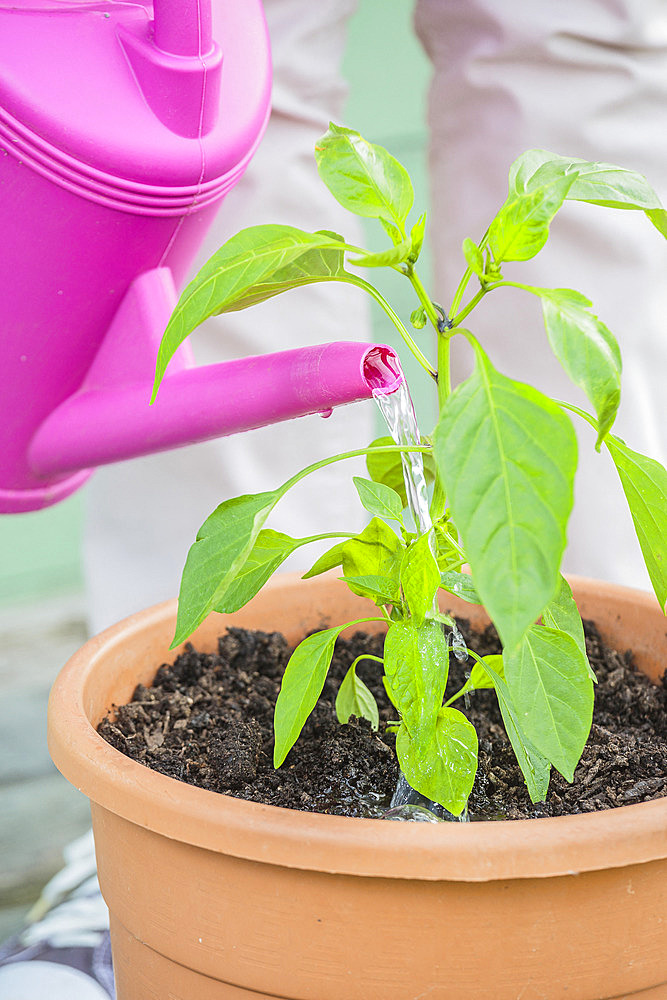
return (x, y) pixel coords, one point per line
(443, 377)
(324, 536)
(422, 295)
(466, 687)
(366, 656)
(444, 391)
(455, 545)
(517, 284)
(458, 295)
(354, 279)
(438, 501)
(467, 275)
(501, 283)
(475, 300)
(444, 370)
(580, 413)
(357, 453)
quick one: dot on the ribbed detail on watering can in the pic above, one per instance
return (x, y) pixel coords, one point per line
(135, 104)
(113, 192)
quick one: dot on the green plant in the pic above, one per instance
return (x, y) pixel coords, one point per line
(502, 460)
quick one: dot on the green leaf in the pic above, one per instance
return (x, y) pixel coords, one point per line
(535, 767)
(270, 550)
(442, 767)
(390, 693)
(446, 553)
(416, 663)
(658, 217)
(252, 266)
(386, 467)
(644, 483)
(376, 551)
(507, 457)
(301, 686)
(363, 177)
(586, 349)
(418, 318)
(380, 589)
(521, 228)
(354, 698)
(223, 544)
(530, 170)
(417, 234)
(444, 619)
(328, 560)
(597, 183)
(263, 261)
(420, 577)
(379, 499)
(552, 692)
(392, 231)
(480, 678)
(385, 258)
(562, 613)
(474, 257)
(461, 585)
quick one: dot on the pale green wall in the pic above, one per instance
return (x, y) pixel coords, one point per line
(40, 552)
(387, 72)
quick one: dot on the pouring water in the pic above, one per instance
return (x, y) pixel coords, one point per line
(398, 411)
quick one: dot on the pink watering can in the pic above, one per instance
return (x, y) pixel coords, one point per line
(122, 127)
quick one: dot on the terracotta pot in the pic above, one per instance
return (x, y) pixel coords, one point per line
(212, 897)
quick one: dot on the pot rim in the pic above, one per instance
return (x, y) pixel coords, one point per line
(477, 851)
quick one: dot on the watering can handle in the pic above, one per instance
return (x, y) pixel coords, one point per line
(183, 27)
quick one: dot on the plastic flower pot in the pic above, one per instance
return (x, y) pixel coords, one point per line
(212, 897)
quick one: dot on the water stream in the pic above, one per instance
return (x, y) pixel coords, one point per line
(399, 414)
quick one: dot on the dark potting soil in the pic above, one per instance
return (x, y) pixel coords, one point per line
(208, 720)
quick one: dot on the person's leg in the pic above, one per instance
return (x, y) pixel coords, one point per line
(584, 78)
(142, 516)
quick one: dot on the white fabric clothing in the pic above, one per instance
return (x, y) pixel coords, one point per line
(143, 515)
(585, 78)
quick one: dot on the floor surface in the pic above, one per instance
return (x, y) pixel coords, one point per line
(39, 811)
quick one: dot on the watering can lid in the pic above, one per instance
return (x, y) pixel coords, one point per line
(69, 91)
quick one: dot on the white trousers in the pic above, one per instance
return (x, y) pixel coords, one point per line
(585, 78)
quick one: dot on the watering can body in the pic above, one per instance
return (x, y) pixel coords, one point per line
(114, 157)
(122, 127)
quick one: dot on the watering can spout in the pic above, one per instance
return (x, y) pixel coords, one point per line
(108, 419)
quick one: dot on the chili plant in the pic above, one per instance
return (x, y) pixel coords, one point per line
(502, 459)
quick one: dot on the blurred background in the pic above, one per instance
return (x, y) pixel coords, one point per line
(584, 77)
(40, 553)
